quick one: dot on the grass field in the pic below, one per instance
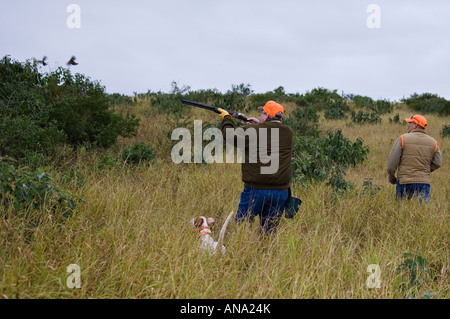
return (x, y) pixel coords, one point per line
(132, 238)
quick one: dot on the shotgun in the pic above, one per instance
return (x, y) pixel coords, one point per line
(234, 114)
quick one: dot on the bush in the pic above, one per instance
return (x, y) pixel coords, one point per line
(315, 159)
(279, 95)
(304, 121)
(138, 152)
(362, 117)
(428, 103)
(320, 97)
(25, 190)
(362, 101)
(107, 160)
(395, 119)
(209, 97)
(378, 107)
(120, 99)
(445, 131)
(40, 112)
(336, 110)
(381, 107)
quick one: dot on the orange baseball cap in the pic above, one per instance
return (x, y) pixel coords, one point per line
(418, 119)
(272, 108)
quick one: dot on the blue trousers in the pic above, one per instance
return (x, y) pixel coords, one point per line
(267, 204)
(412, 190)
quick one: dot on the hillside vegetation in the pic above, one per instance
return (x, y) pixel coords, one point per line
(87, 179)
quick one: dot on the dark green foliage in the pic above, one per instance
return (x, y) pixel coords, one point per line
(319, 98)
(107, 160)
(209, 97)
(369, 188)
(395, 119)
(315, 159)
(336, 110)
(303, 120)
(260, 99)
(381, 107)
(445, 131)
(40, 112)
(428, 103)
(170, 102)
(378, 107)
(363, 117)
(138, 152)
(337, 182)
(362, 101)
(28, 191)
(120, 99)
(415, 265)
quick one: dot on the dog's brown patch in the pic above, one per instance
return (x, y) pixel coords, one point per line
(198, 221)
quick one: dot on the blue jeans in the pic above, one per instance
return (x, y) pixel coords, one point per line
(267, 204)
(412, 190)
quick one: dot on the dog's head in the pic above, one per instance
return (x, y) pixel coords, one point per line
(202, 221)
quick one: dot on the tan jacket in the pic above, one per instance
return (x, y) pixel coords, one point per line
(415, 155)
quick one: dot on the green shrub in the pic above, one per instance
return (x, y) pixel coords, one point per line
(107, 160)
(138, 152)
(209, 97)
(40, 112)
(24, 190)
(170, 102)
(378, 107)
(445, 131)
(320, 97)
(395, 119)
(303, 120)
(337, 182)
(120, 99)
(369, 188)
(279, 95)
(363, 117)
(428, 103)
(316, 158)
(381, 107)
(232, 100)
(362, 101)
(336, 110)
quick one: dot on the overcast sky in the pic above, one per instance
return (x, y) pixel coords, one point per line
(136, 46)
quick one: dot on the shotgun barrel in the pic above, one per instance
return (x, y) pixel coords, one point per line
(215, 109)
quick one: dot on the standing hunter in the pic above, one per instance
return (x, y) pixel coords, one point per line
(265, 192)
(415, 155)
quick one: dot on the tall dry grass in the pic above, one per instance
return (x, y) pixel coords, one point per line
(133, 239)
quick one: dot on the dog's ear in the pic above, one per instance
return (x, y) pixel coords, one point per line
(198, 221)
(210, 220)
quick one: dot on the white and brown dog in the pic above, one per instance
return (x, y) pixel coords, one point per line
(202, 226)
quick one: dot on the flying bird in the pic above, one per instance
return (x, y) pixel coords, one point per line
(42, 61)
(72, 61)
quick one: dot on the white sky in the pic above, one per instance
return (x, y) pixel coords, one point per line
(135, 46)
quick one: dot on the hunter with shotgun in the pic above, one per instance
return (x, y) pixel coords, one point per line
(266, 193)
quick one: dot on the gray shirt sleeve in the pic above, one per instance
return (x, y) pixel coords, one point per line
(394, 157)
(437, 160)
